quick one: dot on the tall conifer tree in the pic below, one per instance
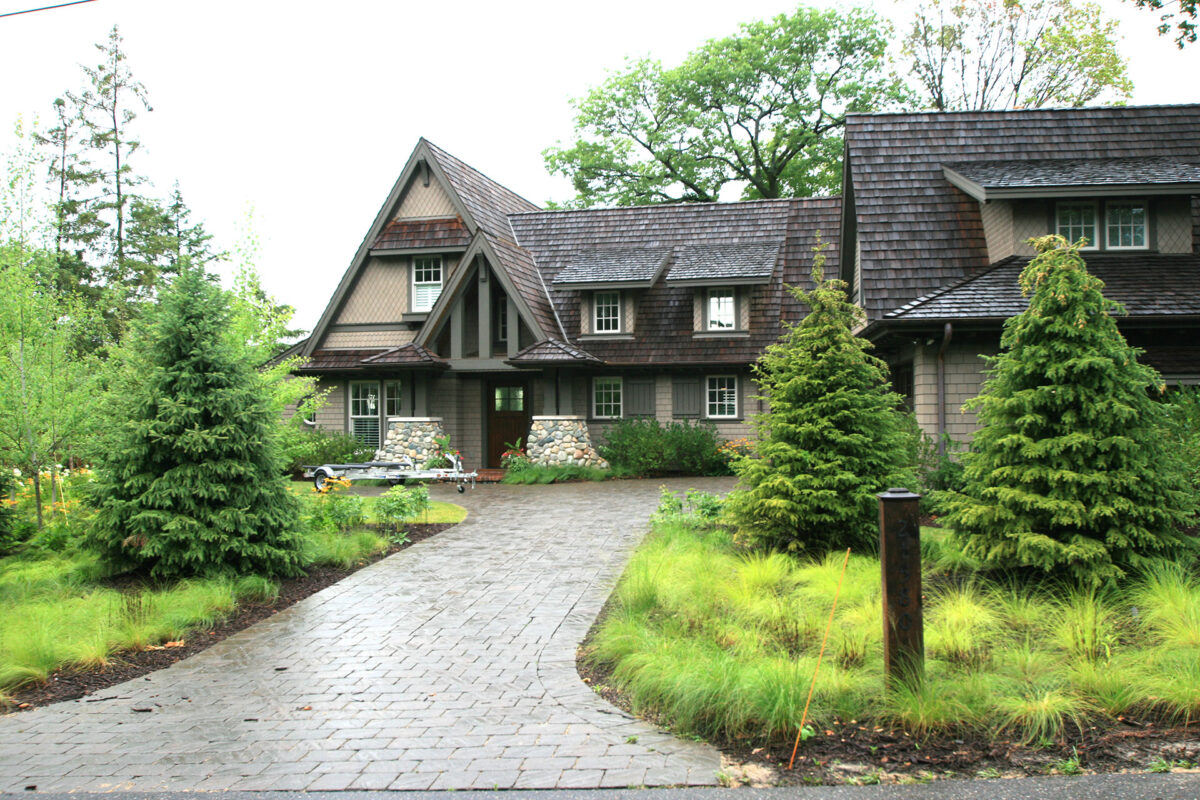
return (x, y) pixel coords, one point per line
(1071, 471)
(832, 438)
(190, 483)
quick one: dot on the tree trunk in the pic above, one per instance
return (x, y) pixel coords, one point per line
(37, 496)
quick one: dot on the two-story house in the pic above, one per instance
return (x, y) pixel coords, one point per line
(470, 311)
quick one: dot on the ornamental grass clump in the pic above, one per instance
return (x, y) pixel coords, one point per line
(1072, 472)
(190, 478)
(833, 436)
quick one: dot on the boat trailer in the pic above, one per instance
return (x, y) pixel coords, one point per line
(394, 472)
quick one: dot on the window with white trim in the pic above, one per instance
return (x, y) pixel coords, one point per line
(364, 412)
(722, 397)
(606, 312)
(606, 398)
(391, 398)
(1075, 221)
(1125, 226)
(427, 282)
(722, 311)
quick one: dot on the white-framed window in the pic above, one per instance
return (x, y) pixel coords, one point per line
(391, 398)
(1125, 226)
(364, 412)
(722, 310)
(606, 398)
(427, 282)
(606, 312)
(1075, 221)
(722, 396)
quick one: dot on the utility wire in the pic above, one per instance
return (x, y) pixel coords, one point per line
(45, 8)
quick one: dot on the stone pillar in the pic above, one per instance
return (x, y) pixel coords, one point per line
(412, 437)
(562, 441)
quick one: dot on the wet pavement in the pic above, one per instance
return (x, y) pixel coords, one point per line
(450, 665)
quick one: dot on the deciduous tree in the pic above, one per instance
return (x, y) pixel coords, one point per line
(1071, 472)
(762, 109)
(996, 54)
(1183, 20)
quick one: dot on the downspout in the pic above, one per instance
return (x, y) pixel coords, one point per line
(947, 335)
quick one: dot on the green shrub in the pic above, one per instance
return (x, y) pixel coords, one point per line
(539, 474)
(335, 511)
(305, 446)
(643, 446)
(1183, 428)
(10, 532)
(399, 504)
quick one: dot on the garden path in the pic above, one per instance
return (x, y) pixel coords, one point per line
(450, 665)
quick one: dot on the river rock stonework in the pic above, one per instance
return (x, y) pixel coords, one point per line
(561, 442)
(412, 437)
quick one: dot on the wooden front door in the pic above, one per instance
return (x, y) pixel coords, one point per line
(507, 416)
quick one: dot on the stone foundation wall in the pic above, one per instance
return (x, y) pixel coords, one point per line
(412, 437)
(561, 442)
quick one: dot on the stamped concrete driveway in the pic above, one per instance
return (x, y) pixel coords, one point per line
(448, 665)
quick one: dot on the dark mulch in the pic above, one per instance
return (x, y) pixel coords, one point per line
(70, 685)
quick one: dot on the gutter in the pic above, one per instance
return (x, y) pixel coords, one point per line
(947, 335)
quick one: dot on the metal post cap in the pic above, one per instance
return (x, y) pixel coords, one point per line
(897, 493)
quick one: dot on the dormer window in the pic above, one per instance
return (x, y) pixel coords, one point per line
(606, 312)
(427, 282)
(1077, 221)
(722, 310)
(1125, 226)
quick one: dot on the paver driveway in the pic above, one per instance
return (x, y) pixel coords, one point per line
(448, 665)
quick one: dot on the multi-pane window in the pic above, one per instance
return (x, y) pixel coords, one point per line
(722, 314)
(1077, 221)
(722, 396)
(606, 398)
(427, 282)
(510, 398)
(391, 398)
(364, 412)
(606, 314)
(1125, 225)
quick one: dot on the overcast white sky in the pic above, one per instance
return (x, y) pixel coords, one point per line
(305, 112)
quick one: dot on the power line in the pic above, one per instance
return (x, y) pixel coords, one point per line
(45, 8)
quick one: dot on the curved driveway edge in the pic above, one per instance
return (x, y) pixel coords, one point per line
(450, 665)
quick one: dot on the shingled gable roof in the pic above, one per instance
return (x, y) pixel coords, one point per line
(516, 273)
(664, 329)
(481, 203)
(996, 180)
(1148, 286)
(550, 352)
(918, 232)
(409, 355)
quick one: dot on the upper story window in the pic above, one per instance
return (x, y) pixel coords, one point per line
(1075, 221)
(606, 312)
(427, 282)
(722, 311)
(1125, 226)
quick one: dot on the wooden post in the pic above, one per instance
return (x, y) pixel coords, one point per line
(900, 554)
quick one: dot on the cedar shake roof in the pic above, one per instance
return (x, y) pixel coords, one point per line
(332, 360)
(918, 232)
(1075, 173)
(449, 232)
(552, 351)
(714, 262)
(625, 265)
(518, 264)
(663, 326)
(1148, 285)
(409, 355)
(488, 203)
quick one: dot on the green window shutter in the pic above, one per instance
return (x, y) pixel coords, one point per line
(685, 397)
(639, 397)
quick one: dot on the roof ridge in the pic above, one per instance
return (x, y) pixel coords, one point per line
(1019, 111)
(439, 151)
(613, 209)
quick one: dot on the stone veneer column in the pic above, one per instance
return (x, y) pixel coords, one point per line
(412, 437)
(562, 441)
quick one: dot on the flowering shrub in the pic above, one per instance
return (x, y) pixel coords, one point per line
(441, 446)
(514, 458)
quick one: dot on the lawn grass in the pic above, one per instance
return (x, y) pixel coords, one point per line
(721, 643)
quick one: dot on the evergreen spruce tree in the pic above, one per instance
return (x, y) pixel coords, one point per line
(190, 483)
(1071, 471)
(832, 438)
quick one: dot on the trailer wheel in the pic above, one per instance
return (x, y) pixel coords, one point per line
(395, 481)
(319, 478)
(461, 488)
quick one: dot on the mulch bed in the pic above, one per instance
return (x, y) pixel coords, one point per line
(854, 754)
(71, 685)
